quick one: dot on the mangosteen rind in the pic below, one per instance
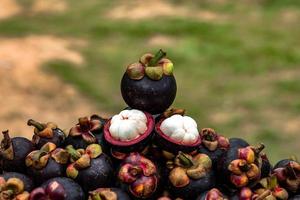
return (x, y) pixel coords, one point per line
(28, 182)
(73, 190)
(147, 94)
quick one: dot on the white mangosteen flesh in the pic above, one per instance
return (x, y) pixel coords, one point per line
(182, 129)
(128, 125)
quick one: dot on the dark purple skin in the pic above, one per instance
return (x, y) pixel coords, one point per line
(295, 197)
(21, 147)
(99, 174)
(51, 170)
(153, 96)
(72, 189)
(266, 167)
(58, 139)
(238, 142)
(203, 196)
(28, 182)
(195, 187)
(282, 163)
(215, 156)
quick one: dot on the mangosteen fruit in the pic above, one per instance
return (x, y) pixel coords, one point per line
(190, 175)
(287, 172)
(13, 189)
(128, 131)
(266, 166)
(27, 181)
(46, 163)
(212, 194)
(245, 193)
(295, 197)
(13, 152)
(90, 167)
(213, 145)
(86, 131)
(59, 188)
(241, 166)
(238, 142)
(139, 177)
(175, 132)
(109, 194)
(268, 188)
(149, 84)
(46, 132)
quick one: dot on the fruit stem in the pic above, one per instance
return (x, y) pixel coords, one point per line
(96, 197)
(5, 143)
(75, 155)
(258, 148)
(36, 124)
(159, 55)
(185, 160)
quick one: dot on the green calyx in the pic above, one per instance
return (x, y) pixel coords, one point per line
(154, 66)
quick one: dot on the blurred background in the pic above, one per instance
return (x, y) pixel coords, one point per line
(237, 63)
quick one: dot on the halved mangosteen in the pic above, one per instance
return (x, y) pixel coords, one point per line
(128, 131)
(176, 132)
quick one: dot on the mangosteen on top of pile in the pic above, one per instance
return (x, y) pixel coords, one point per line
(108, 194)
(139, 177)
(149, 84)
(90, 167)
(287, 172)
(241, 167)
(46, 163)
(190, 175)
(13, 152)
(59, 188)
(175, 132)
(128, 131)
(46, 132)
(213, 145)
(86, 131)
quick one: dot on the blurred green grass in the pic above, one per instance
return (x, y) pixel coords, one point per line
(239, 75)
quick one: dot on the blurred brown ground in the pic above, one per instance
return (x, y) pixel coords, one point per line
(28, 92)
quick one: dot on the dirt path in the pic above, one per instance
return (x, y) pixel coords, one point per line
(28, 92)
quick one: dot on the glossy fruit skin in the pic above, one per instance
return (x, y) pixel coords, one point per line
(99, 174)
(295, 197)
(266, 167)
(195, 187)
(28, 182)
(170, 146)
(51, 170)
(238, 142)
(72, 189)
(58, 139)
(203, 196)
(153, 96)
(282, 163)
(21, 148)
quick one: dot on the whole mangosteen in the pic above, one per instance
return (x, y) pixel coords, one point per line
(149, 84)
(13, 152)
(46, 132)
(212, 194)
(59, 188)
(90, 167)
(46, 163)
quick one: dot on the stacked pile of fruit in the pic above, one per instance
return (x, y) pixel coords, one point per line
(147, 151)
